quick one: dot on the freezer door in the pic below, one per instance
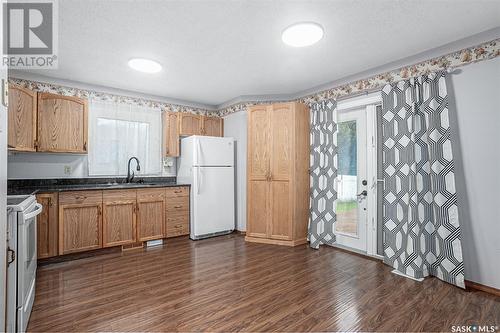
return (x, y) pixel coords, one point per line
(212, 206)
(213, 151)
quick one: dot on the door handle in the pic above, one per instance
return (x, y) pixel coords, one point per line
(11, 256)
(362, 195)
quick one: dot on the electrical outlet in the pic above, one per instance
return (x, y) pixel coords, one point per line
(168, 163)
(67, 170)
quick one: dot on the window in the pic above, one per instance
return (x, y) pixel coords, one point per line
(119, 131)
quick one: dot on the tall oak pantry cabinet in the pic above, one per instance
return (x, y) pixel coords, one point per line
(278, 174)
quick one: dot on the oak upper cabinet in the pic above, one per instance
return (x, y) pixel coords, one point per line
(277, 171)
(177, 211)
(190, 124)
(150, 214)
(22, 119)
(47, 226)
(119, 217)
(170, 134)
(62, 123)
(80, 221)
(213, 126)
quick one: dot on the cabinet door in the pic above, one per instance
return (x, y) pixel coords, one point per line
(47, 225)
(282, 127)
(80, 221)
(190, 124)
(213, 126)
(119, 217)
(170, 134)
(62, 123)
(22, 119)
(150, 214)
(258, 209)
(258, 142)
(281, 212)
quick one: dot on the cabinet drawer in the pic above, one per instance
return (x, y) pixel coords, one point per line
(180, 204)
(153, 194)
(177, 224)
(80, 197)
(119, 195)
(178, 191)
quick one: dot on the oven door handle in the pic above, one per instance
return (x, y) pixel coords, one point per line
(35, 212)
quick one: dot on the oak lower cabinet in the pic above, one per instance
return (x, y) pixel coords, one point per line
(150, 214)
(278, 174)
(177, 211)
(77, 221)
(22, 119)
(80, 221)
(47, 226)
(62, 124)
(119, 217)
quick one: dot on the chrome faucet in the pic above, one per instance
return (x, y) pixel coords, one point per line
(130, 176)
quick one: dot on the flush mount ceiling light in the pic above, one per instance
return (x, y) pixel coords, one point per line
(144, 65)
(302, 34)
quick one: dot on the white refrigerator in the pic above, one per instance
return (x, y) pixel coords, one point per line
(207, 163)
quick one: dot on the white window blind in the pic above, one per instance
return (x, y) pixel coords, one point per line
(119, 131)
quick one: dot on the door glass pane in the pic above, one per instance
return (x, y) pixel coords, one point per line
(347, 204)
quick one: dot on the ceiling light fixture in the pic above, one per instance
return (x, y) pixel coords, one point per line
(144, 65)
(302, 34)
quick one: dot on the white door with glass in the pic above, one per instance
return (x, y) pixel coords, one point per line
(352, 180)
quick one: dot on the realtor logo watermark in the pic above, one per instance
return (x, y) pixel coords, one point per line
(30, 34)
(474, 328)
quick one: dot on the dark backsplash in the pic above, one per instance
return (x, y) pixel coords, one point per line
(21, 185)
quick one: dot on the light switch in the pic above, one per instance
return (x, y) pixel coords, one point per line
(67, 169)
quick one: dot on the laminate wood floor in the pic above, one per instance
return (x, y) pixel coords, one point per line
(225, 284)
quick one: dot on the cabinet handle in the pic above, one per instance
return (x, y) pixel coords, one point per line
(178, 206)
(79, 197)
(85, 146)
(178, 191)
(50, 202)
(99, 210)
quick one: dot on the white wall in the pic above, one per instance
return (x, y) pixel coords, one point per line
(44, 165)
(475, 121)
(41, 165)
(235, 125)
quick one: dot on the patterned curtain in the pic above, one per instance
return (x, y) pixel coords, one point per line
(420, 216)
(323, 172)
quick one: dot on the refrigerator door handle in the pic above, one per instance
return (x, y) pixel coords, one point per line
(199, 181)
(198, 152)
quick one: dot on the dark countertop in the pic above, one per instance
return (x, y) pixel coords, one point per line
(32, 186)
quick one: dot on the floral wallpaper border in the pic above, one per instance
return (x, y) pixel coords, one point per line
(481, 52)
(484, 51)
(89, 94)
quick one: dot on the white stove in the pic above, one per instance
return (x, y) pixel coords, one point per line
(22, 211)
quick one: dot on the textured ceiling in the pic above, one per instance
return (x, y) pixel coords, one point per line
(213, 51)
